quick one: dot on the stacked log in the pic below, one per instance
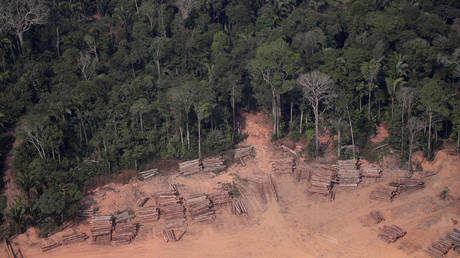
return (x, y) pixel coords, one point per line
(148, 174)
(384, 193)
(147, 214)
(200, 207)
(220, 197)
(213, 165)
(454, 236)
(440, 247)
(101, 228)
(169, 235)
(190, 167)
(244, 152)
(142, 202)
(371, 171)
(86, 213)
(408, 185)
(49, 244)
(171, 208)
(283, 165)
(124, 233)
(122, 217)
(239, 207)
(348, 173)
(391, 233)
(74, 238)
(376, 217)
(321, 178)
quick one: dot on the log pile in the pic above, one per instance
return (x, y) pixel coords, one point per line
(122, 217)
(371, 171)
(239, 207)
(49, 244)
(384, 193)
(454, 236)
(142, 202)
(169, 235)
(348, 173)
(200, 207)
(171, 208)
(101, 228)
(86, 213)
(391, 233)
(190, 167)
(124, 233)
(440, 248)
(147, 214)
(376, 217)
(215, 164)
(220, 197)
(408, 185)
(74, 238)
(244, 152)
(321, 178)
(283, 165)
(148, 174)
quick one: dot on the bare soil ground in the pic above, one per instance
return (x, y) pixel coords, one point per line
(299, 225)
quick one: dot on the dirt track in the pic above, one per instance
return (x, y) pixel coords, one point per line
(300, 225)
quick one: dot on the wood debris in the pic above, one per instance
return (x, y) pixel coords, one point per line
(169, 235)
(101, 228)
(391, 233)
(376, 217)
(348, 173)
(86, 213)
(384, 193)
(49, 244)
(142, 202)
(220, 197)
(200, 207)
(215, 164)
(190, 167)
(244, 152)
(440, 247)
(10, 250)
(284, 165)
(454, 236)
(409, 185)
(148, 174)
(239, 207)
(321, 179)
(74, 238)
(124, 232)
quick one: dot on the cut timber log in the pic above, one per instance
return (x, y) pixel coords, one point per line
(348, 174)
(148, 174)
(190, 167)
(124, 233)
(376, 217)
(239, 207)
(384, 193)
(284, 165)
(391, 233)
(409, 185)
(101, 228)
(213, 165)
(49, 244)
(220, 197)
(147, 214)
(321, 178)
(74, 238)
(200, 207)
(169, 235)
(122, 217)
(244, 152)
(371, 171)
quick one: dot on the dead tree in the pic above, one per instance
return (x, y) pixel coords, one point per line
(414, 125)
(18, 16)
(317, 89)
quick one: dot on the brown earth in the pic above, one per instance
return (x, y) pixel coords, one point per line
(380, 135)
(299, 225)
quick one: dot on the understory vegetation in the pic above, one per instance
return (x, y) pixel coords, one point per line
(93, 87)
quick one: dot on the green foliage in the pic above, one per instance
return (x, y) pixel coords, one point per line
(444, 193)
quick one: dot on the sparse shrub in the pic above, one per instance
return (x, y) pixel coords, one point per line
(444, 193)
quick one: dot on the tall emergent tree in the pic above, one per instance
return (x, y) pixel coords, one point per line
(317, 88)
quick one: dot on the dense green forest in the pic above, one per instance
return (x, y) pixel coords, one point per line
(93, 87)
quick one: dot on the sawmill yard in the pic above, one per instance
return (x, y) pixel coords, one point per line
(276, 213)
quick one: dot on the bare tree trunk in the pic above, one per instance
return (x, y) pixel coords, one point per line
(402, 131)
(411, 142)
(142, 125)
(188, 137)
(274, 111)
(290, 121)
(458, 141)
(21, 39)
(233, 106)
(392, 107)
(338, 138)
(316, 126)
(157, 62)
(351, 131)
(137, 6)
(199, 138)
(58, 50)
(300, 124)
(369, 104)
(278, 117)
(429, 132)
(181, 135)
